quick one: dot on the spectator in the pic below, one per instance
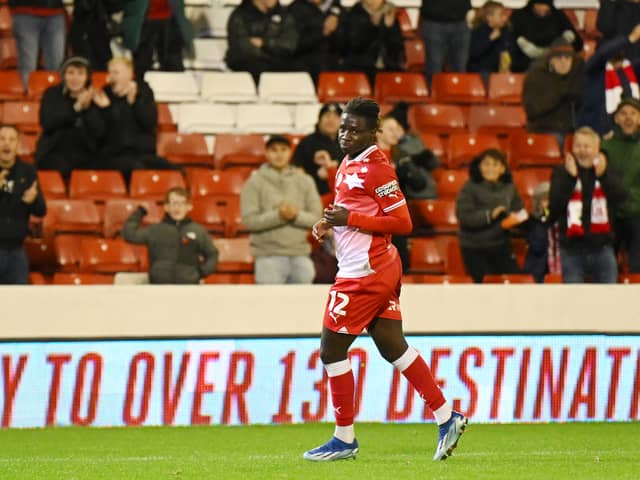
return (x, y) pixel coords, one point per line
(72, 121)
(584, 196)
(543, 255)
(534, 28)
(262, 38)
(318, 152)
(446, 35)
(38, 25)
(489, 51)
(609, 75)
(623, 153)
(131, 121)
(373, 40)
(619, 17)
(94, 25)
(552, 91)
(20, 198)
(157, 29)
(279, 205)
(317, 23)
(487, 206)
(180, 250)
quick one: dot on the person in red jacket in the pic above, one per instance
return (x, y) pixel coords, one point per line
(369, 207)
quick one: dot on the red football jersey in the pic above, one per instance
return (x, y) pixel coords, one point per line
(366, 184)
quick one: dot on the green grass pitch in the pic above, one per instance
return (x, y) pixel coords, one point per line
(576, 451)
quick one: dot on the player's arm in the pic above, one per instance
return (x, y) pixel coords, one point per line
(395, 222)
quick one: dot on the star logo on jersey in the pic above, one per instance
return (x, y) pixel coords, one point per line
(353, 181)
(364, 170)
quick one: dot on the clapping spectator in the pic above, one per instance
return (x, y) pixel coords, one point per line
(180, 250)
(623, 153)
(38, 25)
(20, 198)
(487, 207)
(318, 26)
(279, 205)
(131, 118)
(584, 197)
(373, 40)
(609, 76)
(490, 38)
(552, 91)
(72, 121)
(262, 38)
(534, 27)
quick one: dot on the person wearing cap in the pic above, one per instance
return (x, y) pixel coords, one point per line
(279, 205)
(319, 152)
(610, 74)
(623, 152)
(534, 28)
(72, 121)
(553, 89)
(38, 25)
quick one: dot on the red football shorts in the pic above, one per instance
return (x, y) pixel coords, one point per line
(354, 302)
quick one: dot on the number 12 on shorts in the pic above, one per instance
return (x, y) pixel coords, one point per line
(337, 304)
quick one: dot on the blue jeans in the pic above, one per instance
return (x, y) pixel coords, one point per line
(445, 41)
(598, 263)
(278, 270)
(14, 266)
(33, 32)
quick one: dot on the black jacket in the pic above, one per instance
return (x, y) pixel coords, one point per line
(445, 10)
(131, 129)
(562, 186)
(36, 3)
(305, 151)
(484, 53)
(175, 249)
(619, 17)
(14, 213)
(68, 137)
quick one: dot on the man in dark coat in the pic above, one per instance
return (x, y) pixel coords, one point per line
(20, 198)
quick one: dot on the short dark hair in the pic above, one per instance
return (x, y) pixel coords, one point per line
(180, 191)
(366, 108)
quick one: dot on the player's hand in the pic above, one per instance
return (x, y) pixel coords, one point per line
(30, 194)
(336, 216)
(570, 164)
(320, 229)
(600, 164)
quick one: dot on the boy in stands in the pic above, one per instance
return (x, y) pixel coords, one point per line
(369, 208)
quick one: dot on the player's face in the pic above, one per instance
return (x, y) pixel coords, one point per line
(355, 134)
(178, 207)
(491, 168)
(628, 119)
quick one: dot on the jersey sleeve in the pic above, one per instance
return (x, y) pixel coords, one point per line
(382, 185)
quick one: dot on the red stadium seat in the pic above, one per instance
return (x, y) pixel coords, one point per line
(628, 278)
(210, 214)
(464, 147)
(27, 147)
(426, 256)
(99, 79)
(24, 115)
(37, 278)
(67, 252)
(72, 216)
(527, 179)
(406, 27)
(394, 87)
(414, 52)
(41, 254)
(230, 278)
(439, 214)
(165, 118)
(454, 264)
(97, 185)
(204, 183)
(8, 53)
(116, 212)
(458, 88)
(446, 279)
(154, 184)
(450, 182)
(238, 150)
(82, 279)
(11, 87)
(184, 148)
(51, 184)
(342, 86)
(506, 88)
(497, 119)
(39, 81)
(509, 278)
(434, 143)
(588, 48)
(100, 255)
(235, 255)
(553, 278)
(437, 118)
(534, 150)
(6, 24)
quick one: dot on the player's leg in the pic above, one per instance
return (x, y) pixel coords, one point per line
(392, 345)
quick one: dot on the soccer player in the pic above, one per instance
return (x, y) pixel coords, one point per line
(369, 207)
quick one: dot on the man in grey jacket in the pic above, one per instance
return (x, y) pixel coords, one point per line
(180, 250)
(280, 204)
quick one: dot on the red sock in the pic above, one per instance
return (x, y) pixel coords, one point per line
(342, 386)
(419, 375)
